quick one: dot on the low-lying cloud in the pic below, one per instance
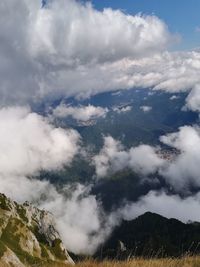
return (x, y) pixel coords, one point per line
(80, 113)
(169, 206)
(193, 99)
(146, 108)
(79, 217)
(183, 171)
(180, 170)
(114, 157)
(121, 110)
(29, 144)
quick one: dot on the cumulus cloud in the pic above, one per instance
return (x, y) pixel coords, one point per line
(81, 113)
(183, 171)
(146, 108)
(67, 49)
(28, 143)
(54, 50)
(72, 44)
(114, 157)
(193, 99)
(120, 110)
(144, 159)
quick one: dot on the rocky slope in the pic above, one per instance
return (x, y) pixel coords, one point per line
(28, 236)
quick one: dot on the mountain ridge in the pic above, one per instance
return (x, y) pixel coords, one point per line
(151, 235)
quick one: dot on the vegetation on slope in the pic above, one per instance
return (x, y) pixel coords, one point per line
(151, 235)
(170, 262)
(28, 236)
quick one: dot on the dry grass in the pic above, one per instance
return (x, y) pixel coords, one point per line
(184, 262)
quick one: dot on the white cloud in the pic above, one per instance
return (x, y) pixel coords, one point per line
(80, 219)
(146, 108)
(174, 97)
(120, 110)
(61, 49)
(170, 206)
(183, 171)
(86, 35)
(170, 72)
(114, 157)
(78, 215)
(28, 143)
(81, 113)
(144, 159)
(68, 49)
(71, 49)
(193, 99)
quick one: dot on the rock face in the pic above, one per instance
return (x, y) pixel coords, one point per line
(28, 236)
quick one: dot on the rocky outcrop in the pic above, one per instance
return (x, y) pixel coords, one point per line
(28, 236)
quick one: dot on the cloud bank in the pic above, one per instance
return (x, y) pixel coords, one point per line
(68, 48)
(54, 50)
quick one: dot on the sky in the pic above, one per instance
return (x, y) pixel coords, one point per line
(181, 16)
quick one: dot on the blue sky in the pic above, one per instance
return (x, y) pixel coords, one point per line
(182, 16)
